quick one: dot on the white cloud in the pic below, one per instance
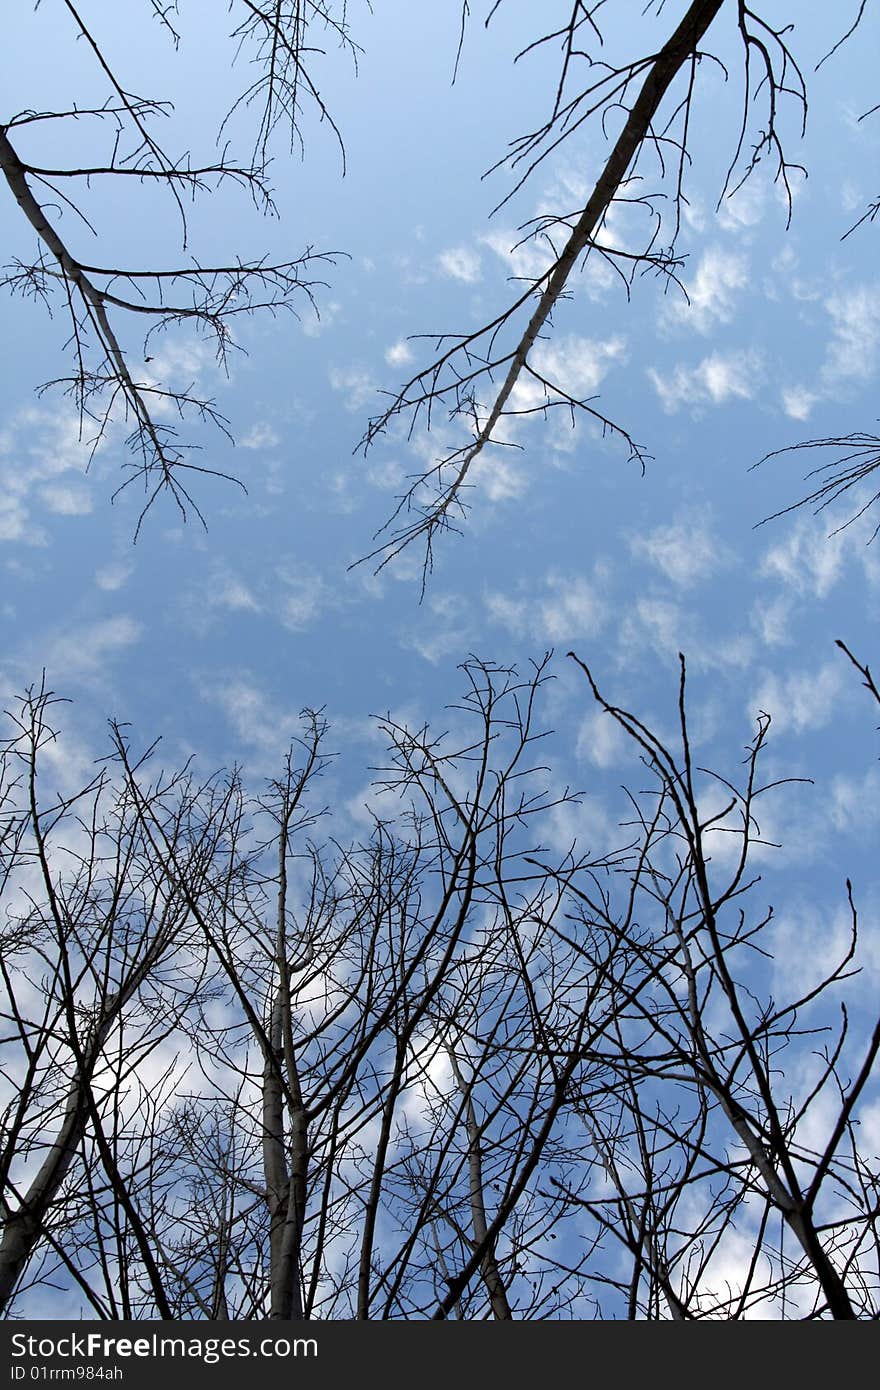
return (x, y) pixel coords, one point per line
(528, 259)
(851, 357)
(305, 599)
(501, 478)
(113, 576)
(869, 1127)
(663, 626)
(801, 700)
(39, 448)
(82, 651)
(399, 354)
(718, 378)
(601, 740)
(798, 402)
(511, 613)
(205, 605)
(569, 610)
(807, 561)
(436, 646)
(578, 365)
(855, 323)
(258, 723)
(182, 357)
(685, 552)
(744, 208)
(293, 596)
(785, 262)
(66, 500)
(585, 824)
(178, 365)
(572, 364)
(231, 593)
(317, 321)
(574, 611)
(772, 619)
(855, 802)
(15, 522)
(530, 256)
(714, 290)
(460, 263)
(356, 383)
(69, 763)
(385, 473)
(261, 436)
(808, 944)
(448, 634)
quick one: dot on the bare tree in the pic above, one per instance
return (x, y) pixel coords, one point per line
(405, 1103)
(98, 968)
(644, 108)
(370, 1094)
(713, 1145)
(278, 1075)
(854, 459)
(101, 302)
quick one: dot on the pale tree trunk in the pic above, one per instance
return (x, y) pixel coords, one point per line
(282, 1094)
(489, 1269)
(24, 1228)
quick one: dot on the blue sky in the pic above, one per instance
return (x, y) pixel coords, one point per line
(215, 640)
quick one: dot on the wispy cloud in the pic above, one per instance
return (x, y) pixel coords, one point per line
(180, 364)
(855, 340)
(685, 552)
(579, 365)
(436, 646)
(808, 560)
(43, 466)
(302, 599)
(444, 629)
(601, 740)
(528, 259)
(317, 320)
(809, 942)
(113, 576)
(571, 364)
(231, 593)
(67, 499)
(717, 379)
(714, 290)
(460, 263)
(356, 384)
(800, 700)
(261, 435)
(83, 653)
(656, 625)
(570, 608)
(743, 209)
(771, 618)
(798, 402)
(501, 476)
(258, 722)
(399, 354)
(852, 352)
(854, 804)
